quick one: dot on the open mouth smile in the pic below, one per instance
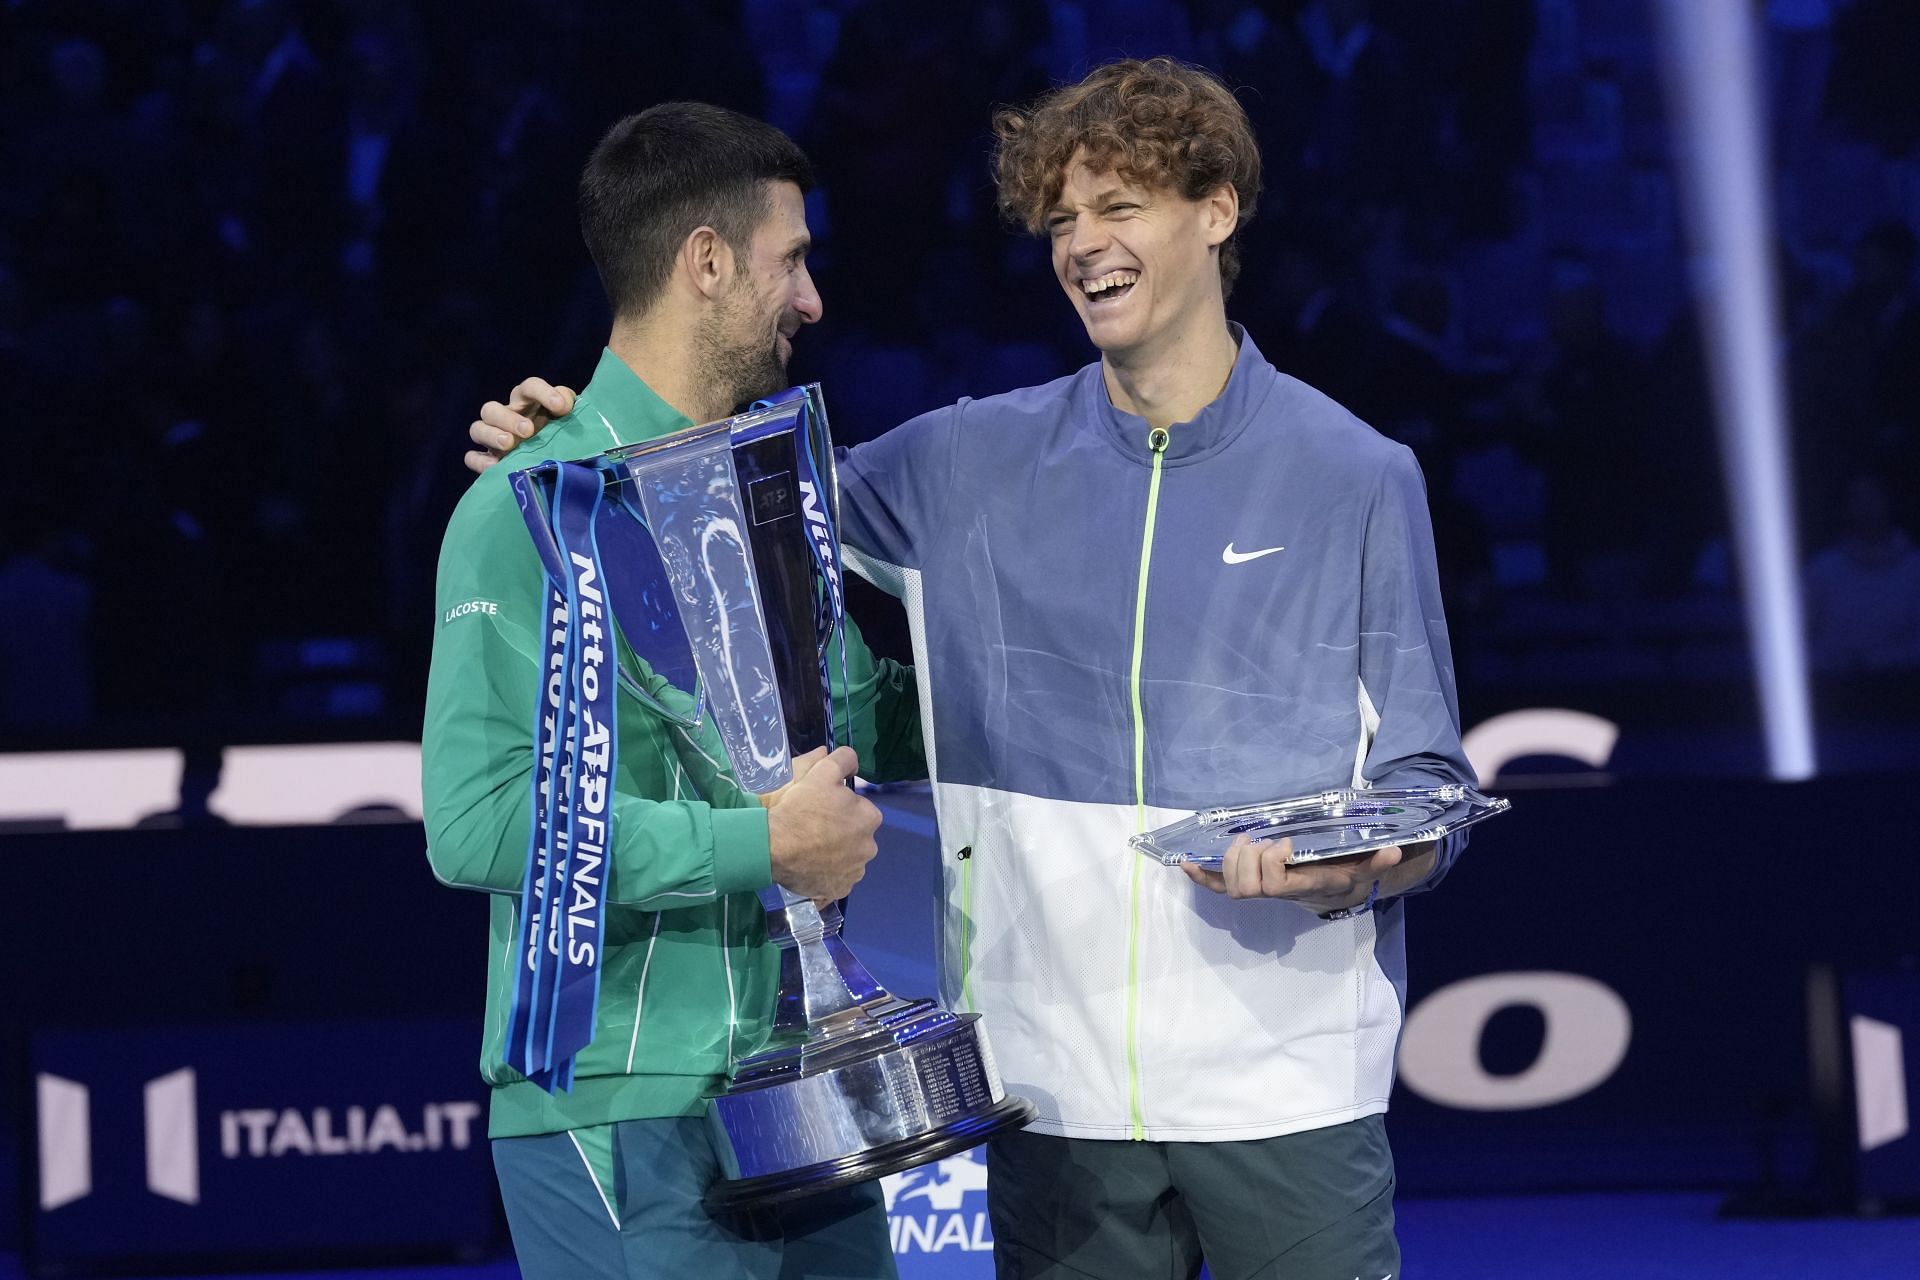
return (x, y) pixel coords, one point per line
(1110, 287)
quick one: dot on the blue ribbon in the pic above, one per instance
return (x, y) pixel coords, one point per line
(823, 540)
(562, 899)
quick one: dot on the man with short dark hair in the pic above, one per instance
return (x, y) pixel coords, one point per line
(694, 218)
(1174, 580)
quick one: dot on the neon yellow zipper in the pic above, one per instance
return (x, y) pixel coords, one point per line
(1157, 442)
(966, 934)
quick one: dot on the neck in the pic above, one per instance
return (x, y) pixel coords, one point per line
(1176, 382)
(657, 351)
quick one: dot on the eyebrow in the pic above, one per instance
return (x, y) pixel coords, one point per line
(1107, 196)
(801, 246)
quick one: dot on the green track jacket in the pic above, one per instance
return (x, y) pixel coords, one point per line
(688, 977)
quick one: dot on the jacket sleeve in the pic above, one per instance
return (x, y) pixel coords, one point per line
(477, 745)
(881, 699)
(1407, 692)
(894, 493)
(894, 490)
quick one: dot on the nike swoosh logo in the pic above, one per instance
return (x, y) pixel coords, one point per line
(1230, 556)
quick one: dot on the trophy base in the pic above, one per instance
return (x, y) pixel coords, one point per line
(916, 1084)
(878, 1162)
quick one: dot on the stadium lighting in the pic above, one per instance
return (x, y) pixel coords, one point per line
(1717, 115)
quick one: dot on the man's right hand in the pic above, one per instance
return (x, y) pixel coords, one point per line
(531, 406)
(819, 832)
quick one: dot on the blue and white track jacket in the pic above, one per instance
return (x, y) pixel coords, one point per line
(1115, 627)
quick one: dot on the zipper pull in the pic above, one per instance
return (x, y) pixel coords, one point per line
(1157, 439)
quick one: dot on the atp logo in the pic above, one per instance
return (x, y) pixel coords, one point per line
(939, 1206)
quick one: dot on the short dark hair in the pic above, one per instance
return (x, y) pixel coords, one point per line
(658, 175)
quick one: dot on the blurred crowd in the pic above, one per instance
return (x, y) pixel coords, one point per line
(260, 260)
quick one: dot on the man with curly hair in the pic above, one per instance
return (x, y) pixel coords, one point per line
(1173, 580)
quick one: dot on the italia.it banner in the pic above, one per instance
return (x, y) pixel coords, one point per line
(258, 1141)
(161, 1146)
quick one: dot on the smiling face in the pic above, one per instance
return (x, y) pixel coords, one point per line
(749, 339)
(1138, 262)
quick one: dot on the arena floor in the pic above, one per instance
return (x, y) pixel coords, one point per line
(1648, 1236)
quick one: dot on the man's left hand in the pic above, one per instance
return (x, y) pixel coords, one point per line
(501, 427)
(1265, 869)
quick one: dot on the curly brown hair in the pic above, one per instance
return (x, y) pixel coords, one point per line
(1157, 122)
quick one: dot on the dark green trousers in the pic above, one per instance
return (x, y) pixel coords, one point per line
(1306, 1206)
(623, 1201)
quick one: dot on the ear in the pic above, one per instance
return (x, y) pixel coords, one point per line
(1220, 213)
(707, 260)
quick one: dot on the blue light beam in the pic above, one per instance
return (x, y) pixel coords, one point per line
(1717, 116)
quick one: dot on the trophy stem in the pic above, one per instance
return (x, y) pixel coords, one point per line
(855, 1082)
(820, 977)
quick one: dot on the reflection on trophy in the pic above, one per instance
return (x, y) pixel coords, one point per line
(737, 599)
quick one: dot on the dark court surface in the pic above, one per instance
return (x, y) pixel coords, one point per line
(1567, 1237)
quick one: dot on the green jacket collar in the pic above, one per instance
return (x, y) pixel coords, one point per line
(616, 408)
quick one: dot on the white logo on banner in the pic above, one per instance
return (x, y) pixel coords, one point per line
(1493, 744)
(269, 1133)
(939, 1206)
(1588, 1031)
(173, 1137)
(173, 1134)
(66, 1140)
(1879, 1081)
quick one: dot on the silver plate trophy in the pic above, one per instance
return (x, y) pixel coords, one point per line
(1328, 824)
(739, 521)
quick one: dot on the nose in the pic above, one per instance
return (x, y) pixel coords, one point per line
(806, 298)
(1088, 237)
